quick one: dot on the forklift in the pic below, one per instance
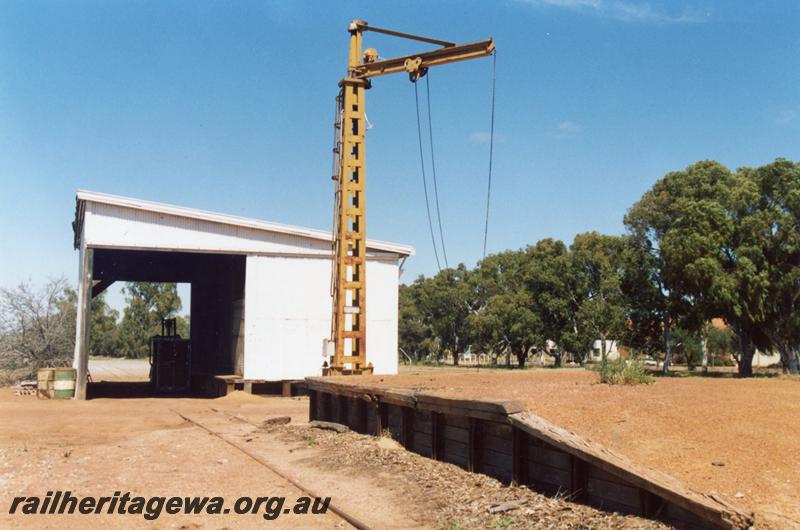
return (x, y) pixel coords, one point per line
(170, 360)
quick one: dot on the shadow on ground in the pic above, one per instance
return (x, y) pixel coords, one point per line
(130, 389)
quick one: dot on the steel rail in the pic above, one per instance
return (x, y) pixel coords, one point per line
(354, 522)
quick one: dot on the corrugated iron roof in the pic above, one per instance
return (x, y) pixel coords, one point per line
(215, 217)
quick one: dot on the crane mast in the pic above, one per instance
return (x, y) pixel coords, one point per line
(349, 287)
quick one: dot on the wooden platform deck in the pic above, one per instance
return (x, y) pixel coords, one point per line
(222, 385)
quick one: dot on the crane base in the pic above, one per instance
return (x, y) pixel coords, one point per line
(338, 370)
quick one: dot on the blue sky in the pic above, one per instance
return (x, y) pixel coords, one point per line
(228, 106)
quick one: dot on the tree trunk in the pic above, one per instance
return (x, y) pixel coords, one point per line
(667, 344)
(705, 351)
(523, 356)
(746, 353)
(794, 361)
(789, 359)
(785, 356)
(603, 352)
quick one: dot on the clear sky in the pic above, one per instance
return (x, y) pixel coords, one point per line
(228, 106)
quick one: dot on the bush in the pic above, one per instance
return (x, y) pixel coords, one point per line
(623, 372)
(37, 328)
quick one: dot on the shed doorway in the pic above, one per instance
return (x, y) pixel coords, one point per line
(211, 343)
(139, 339)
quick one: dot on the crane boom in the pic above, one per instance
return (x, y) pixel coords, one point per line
(349, 319)
(425, 60)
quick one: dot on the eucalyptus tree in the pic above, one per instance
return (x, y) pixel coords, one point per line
(506, 318)
(596, 264)
(415, 336)
(147, 304)
(646, 301)
(549, 277)
(701, 228)
(447, 300)
(775, 228)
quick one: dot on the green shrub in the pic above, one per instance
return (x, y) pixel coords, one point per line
(623, 372)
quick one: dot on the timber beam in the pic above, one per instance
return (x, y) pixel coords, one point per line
(101, 286)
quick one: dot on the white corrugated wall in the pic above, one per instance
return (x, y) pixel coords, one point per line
(113, 226)
(288, 314)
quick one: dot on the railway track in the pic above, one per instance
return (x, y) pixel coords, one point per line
(347, 517)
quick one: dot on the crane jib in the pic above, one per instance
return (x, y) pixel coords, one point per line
(438, 57)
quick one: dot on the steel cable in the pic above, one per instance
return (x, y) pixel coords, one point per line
(491, 154)
(424, 179)
(433, 170)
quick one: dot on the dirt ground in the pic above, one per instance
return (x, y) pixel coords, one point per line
(736, 438)
(145, 446)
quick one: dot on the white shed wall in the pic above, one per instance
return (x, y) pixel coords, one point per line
(112, 226)
(115, 226)
(288, 314)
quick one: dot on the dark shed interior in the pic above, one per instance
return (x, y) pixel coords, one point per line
(217, 300)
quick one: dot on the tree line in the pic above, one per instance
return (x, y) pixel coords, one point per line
(37, 326)
(703, 243)
(147, 304)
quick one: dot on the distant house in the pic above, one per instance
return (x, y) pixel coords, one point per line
(612, 352)
(760, 359)
(766, 359)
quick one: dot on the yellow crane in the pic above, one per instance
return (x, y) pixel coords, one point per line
(349, 289)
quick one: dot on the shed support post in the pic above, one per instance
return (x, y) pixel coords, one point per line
(81, 356)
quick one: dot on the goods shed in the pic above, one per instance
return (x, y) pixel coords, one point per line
(260, 291)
